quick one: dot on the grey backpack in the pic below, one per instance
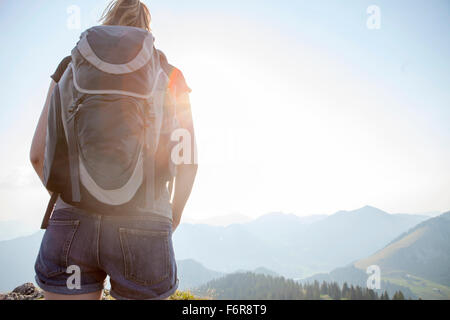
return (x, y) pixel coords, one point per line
(110, 119)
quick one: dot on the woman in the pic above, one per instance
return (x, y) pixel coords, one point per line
(140, 266)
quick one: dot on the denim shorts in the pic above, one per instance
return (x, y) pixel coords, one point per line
(79, 250)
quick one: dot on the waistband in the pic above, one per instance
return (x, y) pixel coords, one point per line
(61, 205)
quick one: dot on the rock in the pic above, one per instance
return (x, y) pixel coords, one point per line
(26, 291)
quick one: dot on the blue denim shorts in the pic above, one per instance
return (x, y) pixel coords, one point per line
(135, 251)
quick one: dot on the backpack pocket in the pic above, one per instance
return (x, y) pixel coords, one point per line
(56, 160)
(110, 139)
(146, 255)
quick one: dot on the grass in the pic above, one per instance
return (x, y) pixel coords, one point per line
(178, 295)
(390, 250)
(185, 295)
(422, 288)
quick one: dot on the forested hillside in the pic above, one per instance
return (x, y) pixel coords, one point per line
(250, 286)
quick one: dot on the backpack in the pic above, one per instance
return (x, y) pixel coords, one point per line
(109, 124)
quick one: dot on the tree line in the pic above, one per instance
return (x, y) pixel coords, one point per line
(250, 286)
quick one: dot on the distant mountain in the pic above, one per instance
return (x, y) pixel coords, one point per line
(227, 220)
(290, 225)
(423, 251)
(349, 235)
(222, 221)
(431, 214)
(17, 259)
(193, 274)
(419, 260)
(222, 248)
(265, 271)
(286, 245)
(251, 286)
(292, 246)
(15, 229)
(260, 270)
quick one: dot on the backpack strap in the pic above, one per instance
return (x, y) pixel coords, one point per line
(168, 69)
(150, 150)
(150, 179)
(49, 211)
(73, 150)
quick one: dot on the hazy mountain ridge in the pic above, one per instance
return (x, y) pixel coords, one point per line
(285, 245)
(423, 251)
(13, 229)
(193, 274)
(223, 221)
(417, 261)
(288, 245)
(17, 258)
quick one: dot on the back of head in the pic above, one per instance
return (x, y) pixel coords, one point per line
(131, 13)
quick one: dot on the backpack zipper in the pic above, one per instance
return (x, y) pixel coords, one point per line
(75, 107)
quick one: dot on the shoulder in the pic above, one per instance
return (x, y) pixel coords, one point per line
(177, 81)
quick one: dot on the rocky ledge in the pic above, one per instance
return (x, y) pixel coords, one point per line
(24, 292)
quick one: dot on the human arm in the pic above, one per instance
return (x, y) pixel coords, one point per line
(38, 145)
(186, 172)
(37, 151)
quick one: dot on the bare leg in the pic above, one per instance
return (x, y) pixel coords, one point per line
(88, 296)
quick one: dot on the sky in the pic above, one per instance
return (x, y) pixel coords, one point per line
(299, 106)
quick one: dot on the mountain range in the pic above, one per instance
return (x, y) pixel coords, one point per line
(13, 229)
(17, 259)
(292, 246)
(418, 260)
(275, 244)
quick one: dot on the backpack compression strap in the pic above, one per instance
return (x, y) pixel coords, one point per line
(73, 150)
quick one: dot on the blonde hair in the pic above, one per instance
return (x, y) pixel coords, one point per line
(131, 13)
